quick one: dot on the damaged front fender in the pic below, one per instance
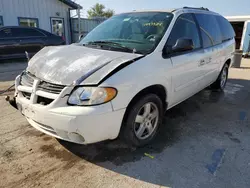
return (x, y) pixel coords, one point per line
(110, 69)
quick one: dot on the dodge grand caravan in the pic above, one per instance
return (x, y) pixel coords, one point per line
(120, 78)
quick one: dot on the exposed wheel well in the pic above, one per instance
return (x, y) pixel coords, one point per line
(228, 62)
(159, 90)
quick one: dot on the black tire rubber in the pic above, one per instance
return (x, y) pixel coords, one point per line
(127, 133)
(217, 84)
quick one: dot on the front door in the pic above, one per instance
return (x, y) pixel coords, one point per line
(186, 75)
(30, 39)
(9, 43)
(57, 27)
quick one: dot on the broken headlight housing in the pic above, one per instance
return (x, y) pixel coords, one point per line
(90, 96)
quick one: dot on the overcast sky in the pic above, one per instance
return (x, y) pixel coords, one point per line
(224, 7)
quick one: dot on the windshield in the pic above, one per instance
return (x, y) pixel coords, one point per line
(139, 31)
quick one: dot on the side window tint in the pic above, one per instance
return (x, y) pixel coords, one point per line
(210, 30)
(6, 33)
(27, 32)
(226, 28)
(206, 38)
(185, 27)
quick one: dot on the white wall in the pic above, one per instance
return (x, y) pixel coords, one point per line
(41, 9)
(237, 18)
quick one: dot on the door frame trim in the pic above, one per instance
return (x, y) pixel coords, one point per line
(61, 18)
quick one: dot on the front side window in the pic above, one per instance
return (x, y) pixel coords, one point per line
(1, 21)
(141, 31)
(210, 29)
(184, 28)
(28, 22)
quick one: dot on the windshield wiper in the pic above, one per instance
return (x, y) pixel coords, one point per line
(115, 44)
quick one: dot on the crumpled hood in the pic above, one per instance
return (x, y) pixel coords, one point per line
(66, 64)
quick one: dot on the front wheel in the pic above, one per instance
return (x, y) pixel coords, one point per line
(221, 81)
(143, 121)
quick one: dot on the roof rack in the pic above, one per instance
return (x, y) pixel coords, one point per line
(201, 8)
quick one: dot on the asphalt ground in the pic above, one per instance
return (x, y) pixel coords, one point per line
(204, 142)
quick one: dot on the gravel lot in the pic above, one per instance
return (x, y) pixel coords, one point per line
(204, 143)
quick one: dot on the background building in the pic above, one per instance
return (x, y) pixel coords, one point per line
(50, 15)
(241, 25)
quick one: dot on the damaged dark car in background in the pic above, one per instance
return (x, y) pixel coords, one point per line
(15, 41)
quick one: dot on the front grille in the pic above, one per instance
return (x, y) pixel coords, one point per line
(26, 95)
(50, 88)
(27, 79)
(44, 101)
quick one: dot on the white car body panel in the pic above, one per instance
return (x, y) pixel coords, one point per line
(141, 75)
(181, 77)
(66, 64)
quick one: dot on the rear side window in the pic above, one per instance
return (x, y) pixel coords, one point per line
(227, 31)
(6, 33)
(210, 30)
(185, 27)
(27, 32)
(19, 32)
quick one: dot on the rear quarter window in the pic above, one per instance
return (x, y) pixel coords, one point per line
(210, 29)
(47, 33)
(227, 31)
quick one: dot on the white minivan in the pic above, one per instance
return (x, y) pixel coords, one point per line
(121, 77)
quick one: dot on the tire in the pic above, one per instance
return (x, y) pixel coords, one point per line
(146, 113)
(221, 81)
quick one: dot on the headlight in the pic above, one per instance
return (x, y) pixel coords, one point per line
(87, 96)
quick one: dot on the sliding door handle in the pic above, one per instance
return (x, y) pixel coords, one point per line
(202, 62)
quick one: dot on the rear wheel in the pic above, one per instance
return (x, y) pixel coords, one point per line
(221, 81)
(143, 121)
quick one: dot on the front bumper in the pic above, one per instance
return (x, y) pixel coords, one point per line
(83, 125)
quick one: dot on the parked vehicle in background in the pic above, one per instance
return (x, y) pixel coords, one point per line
(124, 74)
(14, 41)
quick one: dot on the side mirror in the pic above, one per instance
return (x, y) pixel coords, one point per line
(183, 45)
(80, 37)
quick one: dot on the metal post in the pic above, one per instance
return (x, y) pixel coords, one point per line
(79, 21)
